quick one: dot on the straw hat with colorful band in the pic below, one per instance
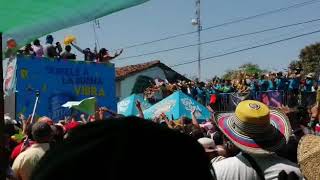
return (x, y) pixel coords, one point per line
(255, 128)
(309, 156)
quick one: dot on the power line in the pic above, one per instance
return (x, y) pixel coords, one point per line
(221, 39)
(96, 24)
(246, 49)
(257, 42)
(271, 38)
(298, 5)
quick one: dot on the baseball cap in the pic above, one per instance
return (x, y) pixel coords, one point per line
(207, 143)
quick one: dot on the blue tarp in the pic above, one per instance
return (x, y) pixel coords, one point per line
(177, 105)
(127, 106)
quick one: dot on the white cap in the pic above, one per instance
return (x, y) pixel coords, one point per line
(207, 143)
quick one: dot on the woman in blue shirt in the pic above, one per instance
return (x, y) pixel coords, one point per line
(309, 83)
(263, 83)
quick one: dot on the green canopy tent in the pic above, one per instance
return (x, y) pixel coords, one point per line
(25, 20)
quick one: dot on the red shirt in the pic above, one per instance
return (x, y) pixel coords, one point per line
(71, 125)
(17, 150)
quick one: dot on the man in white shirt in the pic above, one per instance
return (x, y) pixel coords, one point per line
(25, 163)
(49, 50)
(258, 132)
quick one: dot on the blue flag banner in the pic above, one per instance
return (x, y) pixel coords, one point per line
(271, 98)
(61, 81)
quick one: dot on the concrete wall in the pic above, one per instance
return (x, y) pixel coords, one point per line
(125, 86)
(118, 90)
(9, 105)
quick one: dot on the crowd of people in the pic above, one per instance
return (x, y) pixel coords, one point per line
(254, 142)
(55, 50)
(290, 85)
(27, 139)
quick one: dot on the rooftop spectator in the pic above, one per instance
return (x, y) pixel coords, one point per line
(38, 48)
(88, 55)
(28, 50)
(51, 51)
(67, 53)
(104, 55)
(11, 48)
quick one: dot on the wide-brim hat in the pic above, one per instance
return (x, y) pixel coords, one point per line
(309, 156)
(254, 128)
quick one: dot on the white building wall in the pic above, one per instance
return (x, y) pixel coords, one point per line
(127, 84)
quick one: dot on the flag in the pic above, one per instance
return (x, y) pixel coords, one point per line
(87, 105)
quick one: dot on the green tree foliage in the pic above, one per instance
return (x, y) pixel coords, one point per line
(251, 69)
(295, 64)
(247, 68)
(230, 74)
(310, 57)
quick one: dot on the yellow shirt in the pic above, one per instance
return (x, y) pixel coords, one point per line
(25, 163)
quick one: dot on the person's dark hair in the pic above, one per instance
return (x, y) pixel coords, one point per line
(196, 133)
(9, 129)
(218, 138)
(28, 45)
(58, 136)
(232, 150)
(49, 39)
(142, 149)
(68, 48)
(36, 42)
(41, 132)
(102, 52)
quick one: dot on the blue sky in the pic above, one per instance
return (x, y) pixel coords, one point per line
(160, 18)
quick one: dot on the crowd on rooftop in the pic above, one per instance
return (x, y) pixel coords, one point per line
(290, 85)
(55, 50)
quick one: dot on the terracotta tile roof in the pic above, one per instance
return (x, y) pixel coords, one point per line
(126, 71)
(123, 72)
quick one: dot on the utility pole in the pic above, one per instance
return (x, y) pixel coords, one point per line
(197, 22)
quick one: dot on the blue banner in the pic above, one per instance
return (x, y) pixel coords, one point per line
(271, 98)
(61, 81)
